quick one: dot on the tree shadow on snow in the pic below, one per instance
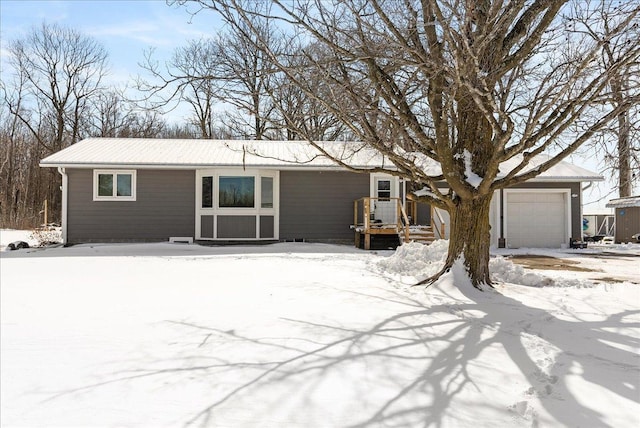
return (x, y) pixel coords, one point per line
(430, 354)
(406, 370)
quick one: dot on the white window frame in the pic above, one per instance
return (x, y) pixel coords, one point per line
(243, 174)
(256, 211)
(114, 173)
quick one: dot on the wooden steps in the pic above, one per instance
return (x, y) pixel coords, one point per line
(387, 228)
(422, 234)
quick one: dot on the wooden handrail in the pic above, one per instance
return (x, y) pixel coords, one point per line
(441, 229)
(368, 209)
(405, 228)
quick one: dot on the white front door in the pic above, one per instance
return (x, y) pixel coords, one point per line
(385, 207)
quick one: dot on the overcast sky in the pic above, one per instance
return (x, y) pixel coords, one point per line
(127, 28)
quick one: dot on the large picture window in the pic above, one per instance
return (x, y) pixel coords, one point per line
(114, 185)
(236, 192)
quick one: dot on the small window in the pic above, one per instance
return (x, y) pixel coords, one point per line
(236, 192)
(384, 189)
(266, 197)
(114, 185)
(207, 192)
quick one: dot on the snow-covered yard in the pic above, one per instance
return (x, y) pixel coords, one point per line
(311, 335)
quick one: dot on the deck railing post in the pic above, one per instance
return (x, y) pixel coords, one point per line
(367, 213)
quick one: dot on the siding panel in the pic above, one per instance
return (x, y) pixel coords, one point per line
(236, 227)
(206, 226)
(627, 223)
(267, 226)
(164, 208)
(318, 205)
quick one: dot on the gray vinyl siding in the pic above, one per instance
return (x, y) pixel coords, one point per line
(267, 226)
(318, 205)
(206, 226)
(237, 226)
(165, 207)
(424, 214)
(627, 223)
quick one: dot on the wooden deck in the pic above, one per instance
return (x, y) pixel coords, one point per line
(367, 222)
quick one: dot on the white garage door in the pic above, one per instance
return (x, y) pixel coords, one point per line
(536, 219)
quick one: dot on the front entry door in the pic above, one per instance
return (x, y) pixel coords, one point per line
(384, 208)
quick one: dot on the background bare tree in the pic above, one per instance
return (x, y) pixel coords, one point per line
(63, 70)
(450, 91)
(248, 73)
(190, 76)
(619, 143)
(52, 97)
(228, 70)
(295, 110)
(57, 73)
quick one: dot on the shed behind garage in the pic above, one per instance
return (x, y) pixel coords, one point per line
(627, 212)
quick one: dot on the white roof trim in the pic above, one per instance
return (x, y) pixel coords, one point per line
(627, 202)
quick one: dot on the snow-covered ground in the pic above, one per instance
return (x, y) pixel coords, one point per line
(311, 335)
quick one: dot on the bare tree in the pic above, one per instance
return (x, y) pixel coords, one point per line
(450, 90)
(63, 69)
(191, 76)
(56, 72)
(618, 144)
(296, 110)
(248, 74)
(110, 114)
(228, 69)
(114, 116)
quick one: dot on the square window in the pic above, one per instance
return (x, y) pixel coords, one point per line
(124, 185)
(105, 184)
(236, 192)
(384, 189)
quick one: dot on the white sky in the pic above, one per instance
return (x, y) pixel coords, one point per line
(127, 28)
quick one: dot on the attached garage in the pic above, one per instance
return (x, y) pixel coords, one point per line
(537, 218)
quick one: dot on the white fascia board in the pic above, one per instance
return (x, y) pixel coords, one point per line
(364, 169)
(564, 179)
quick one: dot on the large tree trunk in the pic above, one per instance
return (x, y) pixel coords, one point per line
(470, 238)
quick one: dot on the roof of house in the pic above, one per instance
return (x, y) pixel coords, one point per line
(183, 153)
(629, 201)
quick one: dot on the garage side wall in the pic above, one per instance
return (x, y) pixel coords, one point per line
(164, 207)
(318, 205)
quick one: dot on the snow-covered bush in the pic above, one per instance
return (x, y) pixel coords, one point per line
(46, 235)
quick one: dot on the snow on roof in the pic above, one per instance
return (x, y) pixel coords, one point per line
(181, 153)
(562, 171)
(629, 201)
